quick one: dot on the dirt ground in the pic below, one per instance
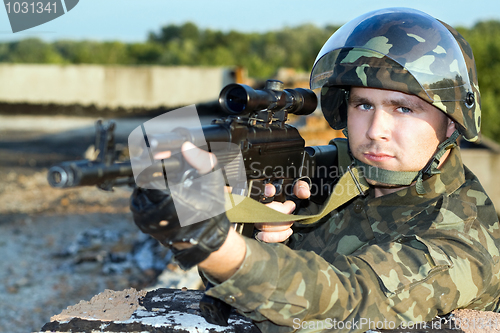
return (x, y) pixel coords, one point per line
(60, 246)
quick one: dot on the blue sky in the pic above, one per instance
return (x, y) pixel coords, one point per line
(131, 20)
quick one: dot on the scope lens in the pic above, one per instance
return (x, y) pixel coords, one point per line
(236, 99)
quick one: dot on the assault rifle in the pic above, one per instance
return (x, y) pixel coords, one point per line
(272, 150)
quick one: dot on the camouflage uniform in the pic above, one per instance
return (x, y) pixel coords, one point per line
(395, 259)
(404, 257)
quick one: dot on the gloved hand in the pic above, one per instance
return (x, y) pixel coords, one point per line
(196, 199)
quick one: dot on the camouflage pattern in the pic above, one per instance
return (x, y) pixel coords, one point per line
(403, 50)
(397, 259)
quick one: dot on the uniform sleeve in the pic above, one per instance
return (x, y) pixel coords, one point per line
(278, 287)
(406, 281)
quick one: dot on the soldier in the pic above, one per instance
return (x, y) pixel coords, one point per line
(421, 241)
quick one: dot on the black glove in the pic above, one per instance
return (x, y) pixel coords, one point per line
(154, 213)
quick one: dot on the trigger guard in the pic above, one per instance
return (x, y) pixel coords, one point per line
(307, 179)
(188, 176)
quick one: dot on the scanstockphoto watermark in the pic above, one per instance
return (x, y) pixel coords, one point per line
(361, 324)
(26, 14)
(283, 177)
(323, 178)
(157, 163)
(260, 170)
(476, 324)
(481, 324)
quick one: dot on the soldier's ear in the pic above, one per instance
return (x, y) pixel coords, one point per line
(450, 128)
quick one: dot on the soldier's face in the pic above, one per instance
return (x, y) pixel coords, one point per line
(393, 130)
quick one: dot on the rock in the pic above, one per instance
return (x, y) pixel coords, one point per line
(107, 306)
(160, 310)
(177, 310)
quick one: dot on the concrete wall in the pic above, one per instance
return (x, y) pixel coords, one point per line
(111, 86)
(486, 166)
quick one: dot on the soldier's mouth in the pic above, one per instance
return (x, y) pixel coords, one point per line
(378, 157)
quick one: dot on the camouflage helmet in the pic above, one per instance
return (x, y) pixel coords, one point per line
(404, 50)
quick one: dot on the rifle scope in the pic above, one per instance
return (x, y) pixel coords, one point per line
(238, 99)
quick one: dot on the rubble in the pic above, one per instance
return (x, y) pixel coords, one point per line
(177, 310)
(160, 310)
(106, 306)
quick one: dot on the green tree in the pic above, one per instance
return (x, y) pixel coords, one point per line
(33, 50)
(91, 52)
(485, 44)
(145, 53)
(172, 32)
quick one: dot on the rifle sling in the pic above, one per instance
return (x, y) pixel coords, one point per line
(246, 210)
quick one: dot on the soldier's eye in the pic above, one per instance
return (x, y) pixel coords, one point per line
(403, 109)
(365, 106)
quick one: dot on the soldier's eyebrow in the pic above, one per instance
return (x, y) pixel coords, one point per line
(357, 100)
(410, 103)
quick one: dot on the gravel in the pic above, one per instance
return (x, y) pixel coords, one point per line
(62, 246)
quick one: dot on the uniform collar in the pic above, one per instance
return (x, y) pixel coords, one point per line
(451, 177)
(389, 214)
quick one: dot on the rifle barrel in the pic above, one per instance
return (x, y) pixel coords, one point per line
(85, 172)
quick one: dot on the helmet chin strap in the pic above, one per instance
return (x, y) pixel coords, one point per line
(406, 178)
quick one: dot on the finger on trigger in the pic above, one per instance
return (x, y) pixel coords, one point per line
(269, 190)
(302, 190)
